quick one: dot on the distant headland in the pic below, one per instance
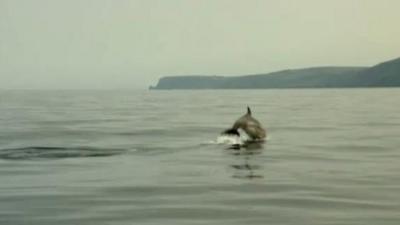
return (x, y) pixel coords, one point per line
(386, 74)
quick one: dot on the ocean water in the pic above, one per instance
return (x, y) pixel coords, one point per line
(153, 157)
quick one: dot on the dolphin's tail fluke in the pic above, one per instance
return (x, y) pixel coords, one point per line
(231, 131)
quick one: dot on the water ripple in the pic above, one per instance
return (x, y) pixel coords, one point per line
(54, 152)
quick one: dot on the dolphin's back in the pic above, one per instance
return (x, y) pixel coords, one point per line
(251, 126)
(255, 132)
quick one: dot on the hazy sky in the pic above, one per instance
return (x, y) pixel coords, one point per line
(130, 44)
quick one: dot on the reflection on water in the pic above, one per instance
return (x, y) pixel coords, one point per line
(245, 165)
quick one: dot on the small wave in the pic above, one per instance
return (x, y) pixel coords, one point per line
(232, 140)
(229, 139)
(46, 152)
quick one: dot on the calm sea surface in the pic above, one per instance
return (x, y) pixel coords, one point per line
(151, 157)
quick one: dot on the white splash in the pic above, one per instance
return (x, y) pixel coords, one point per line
(233, 139)
(229, 140)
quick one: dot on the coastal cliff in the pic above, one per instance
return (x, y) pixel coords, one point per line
(385, 74)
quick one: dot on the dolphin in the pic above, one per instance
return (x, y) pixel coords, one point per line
(249, 125)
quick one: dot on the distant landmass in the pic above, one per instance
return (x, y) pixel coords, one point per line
(386, 74)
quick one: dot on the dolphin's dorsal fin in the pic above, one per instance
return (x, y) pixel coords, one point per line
(248, 110)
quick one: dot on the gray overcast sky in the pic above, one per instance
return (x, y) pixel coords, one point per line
(130, 44)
